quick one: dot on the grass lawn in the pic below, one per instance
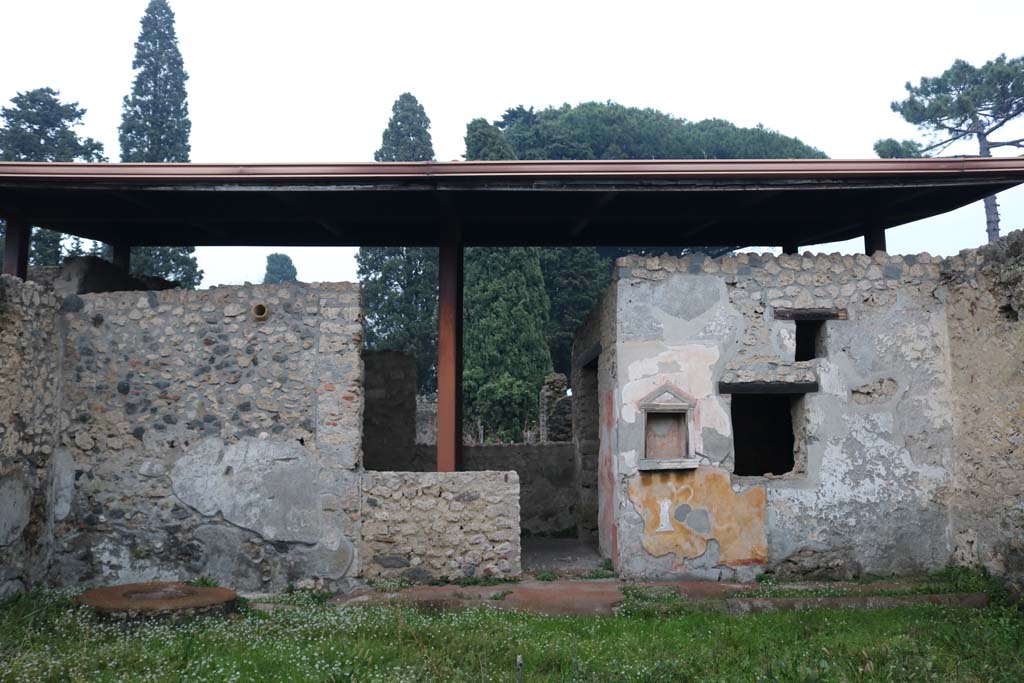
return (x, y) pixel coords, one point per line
(44, 637)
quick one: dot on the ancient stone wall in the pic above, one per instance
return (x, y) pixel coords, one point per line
(868, 492)
(555, 424)
(389, 420)
(594, 378)
(30, 478)
(420, 526)
(215, 432)
(984, 304)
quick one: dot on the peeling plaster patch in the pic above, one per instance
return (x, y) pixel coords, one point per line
(830, 379)
(62, 483)
(693, 365)
(15, 508)
(686, 510)
(629, 462)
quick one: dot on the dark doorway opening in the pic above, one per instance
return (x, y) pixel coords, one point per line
(763, 433)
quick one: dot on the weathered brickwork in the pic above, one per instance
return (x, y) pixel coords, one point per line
(420, 526)
(984, 305)
(30, 381)
(215, 432)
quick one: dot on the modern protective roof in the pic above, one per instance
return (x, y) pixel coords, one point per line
(619, 203)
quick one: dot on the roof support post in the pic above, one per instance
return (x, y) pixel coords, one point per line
(791, 248)
(449, 350)
(16, 243)
(874, 240)
(122, 256)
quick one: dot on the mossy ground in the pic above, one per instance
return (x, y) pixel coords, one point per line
(45, 637)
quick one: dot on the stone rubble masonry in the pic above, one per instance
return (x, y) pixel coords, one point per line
(984, 304)
(389, 424)
(421, 526)
(870, 490)
(555, 409)
(30, 383)
(202, 440)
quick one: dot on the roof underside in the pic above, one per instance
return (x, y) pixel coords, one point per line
(665, 203)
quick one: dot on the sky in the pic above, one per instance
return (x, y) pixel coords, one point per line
(314, 80)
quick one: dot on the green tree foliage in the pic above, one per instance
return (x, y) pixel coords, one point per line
(574, 278)
(155, 129)
(280, 269)
(891, 148)
(596, 130)
(400, 290)
(965, 102)
(154, 120)
(484, 142)
(400, 283)
(407, 137)
(506, 353)
(39, 127)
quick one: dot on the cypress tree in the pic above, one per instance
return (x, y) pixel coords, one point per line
(407, 137)
(155, 128)
(506, 353)
(154, 121)
(280, 269)
(400, 283)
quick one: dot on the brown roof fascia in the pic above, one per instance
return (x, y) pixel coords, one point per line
(974, 168)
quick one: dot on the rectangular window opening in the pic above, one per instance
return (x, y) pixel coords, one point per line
(763, 434)
(810, 342)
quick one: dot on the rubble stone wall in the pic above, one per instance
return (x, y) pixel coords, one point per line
(870, 489)
(30, 383)
(984, 304)
(420, 526)
(213, 432)
(389, 420)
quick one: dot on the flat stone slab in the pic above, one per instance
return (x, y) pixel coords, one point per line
(158, 598)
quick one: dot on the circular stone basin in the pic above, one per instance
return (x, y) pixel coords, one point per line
(158, 598)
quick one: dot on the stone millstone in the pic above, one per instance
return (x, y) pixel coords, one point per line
(158, 598)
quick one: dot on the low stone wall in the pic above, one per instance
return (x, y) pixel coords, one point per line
(547, 479)
(30, 380)
(429, 525)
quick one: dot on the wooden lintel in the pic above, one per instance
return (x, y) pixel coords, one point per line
(767, 387)
(810, 314)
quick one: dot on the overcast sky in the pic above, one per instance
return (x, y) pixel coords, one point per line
(314, 80)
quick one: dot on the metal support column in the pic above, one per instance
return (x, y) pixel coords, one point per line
(449, 352)
(874, 240)
(16, 249)
(122, 257)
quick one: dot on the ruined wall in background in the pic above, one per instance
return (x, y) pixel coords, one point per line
(205, 440)
(389, 418)
(594, 380)
(30, 380)
(873, 444)
(984, 304)
(420, 526)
